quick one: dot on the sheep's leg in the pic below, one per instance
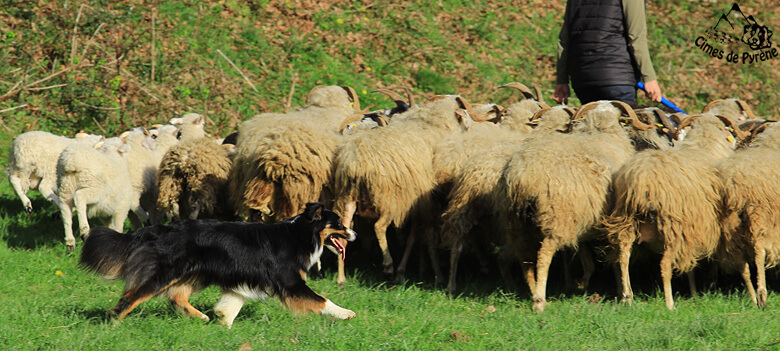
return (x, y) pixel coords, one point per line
(543, 260)
(346, 220)
(760, 274)
(118, 219)
(455, 252)
(399, 277)
(228, 306)
(588, 267)
(142, 217)
(21, 191)
(434, 255)
(80, 201)
(505, 260)
(692, 282)
(748, 282)
(380, 228)
(48, 188)
(627, 295)
(666, 276)
(66, 213)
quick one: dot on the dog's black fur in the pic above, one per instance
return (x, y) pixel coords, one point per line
(246, 260)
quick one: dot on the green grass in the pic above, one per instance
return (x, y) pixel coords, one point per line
(464, 47)
(48, 302)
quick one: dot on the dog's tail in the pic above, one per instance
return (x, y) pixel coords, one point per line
(106, 252)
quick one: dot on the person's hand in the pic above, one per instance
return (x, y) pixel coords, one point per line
(561, 94)
(653, 90)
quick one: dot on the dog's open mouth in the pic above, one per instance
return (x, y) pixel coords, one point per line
(337, 245)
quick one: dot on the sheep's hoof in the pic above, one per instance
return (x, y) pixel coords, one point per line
(539, 305)
(28, 209)
(70, 247)
(761, 298)
(626, 300)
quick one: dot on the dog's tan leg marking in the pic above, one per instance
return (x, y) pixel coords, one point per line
(180, 295)
(346, 220)
(227, 307)
(129, 300)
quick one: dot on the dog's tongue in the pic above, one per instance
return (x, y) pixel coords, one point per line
(340, 248)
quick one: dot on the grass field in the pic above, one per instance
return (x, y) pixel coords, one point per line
(104, 66)
(49, 303)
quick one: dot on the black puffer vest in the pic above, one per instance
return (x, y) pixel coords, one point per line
(598, 45)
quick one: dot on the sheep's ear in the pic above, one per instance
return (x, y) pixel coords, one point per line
(149, 142)
(124, 134)
(177, 120)
(125, 147)
(313, 211)
(464, 119)
(98, 145)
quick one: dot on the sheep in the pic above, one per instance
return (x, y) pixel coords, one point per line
(474, 182)
(192, 179)
(396, 183)
(95, 183)
(283, 161)
(751, 231)
(734, 109)
(32, 163)
(669, 200)
(143, 162)
(555, 189)
(379, 118)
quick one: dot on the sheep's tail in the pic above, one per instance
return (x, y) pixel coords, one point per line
(106, 252)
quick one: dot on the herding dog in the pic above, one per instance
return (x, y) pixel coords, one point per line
(246, 260)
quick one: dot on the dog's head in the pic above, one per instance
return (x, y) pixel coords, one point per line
(329, 227)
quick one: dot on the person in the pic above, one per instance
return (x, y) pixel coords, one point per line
(602, 46)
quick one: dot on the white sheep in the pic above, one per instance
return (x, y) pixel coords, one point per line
(32, 163)
(95, 183)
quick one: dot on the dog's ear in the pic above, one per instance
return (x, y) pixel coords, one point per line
(313, 211)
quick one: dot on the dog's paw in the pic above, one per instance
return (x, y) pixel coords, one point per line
(331, 309)
(204, 317)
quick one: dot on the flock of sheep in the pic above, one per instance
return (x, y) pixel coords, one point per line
(530, 179)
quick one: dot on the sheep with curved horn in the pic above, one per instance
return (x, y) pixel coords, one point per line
(396, 184)
(669, 199)
(751, 198)
(553, 191)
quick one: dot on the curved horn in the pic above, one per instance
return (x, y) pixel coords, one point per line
(391, 94)
(570, 111)
(409, 95)
(349, 120)
(353, 95)
(744, 106)
(741, 135)
(585, 109)
(671, 129)
(760, 129)
(538, 114)
(711, 105)
(635, 122)
(543, 105)
(467, 106)
(522, 87)
(683, 124)
(538, 93)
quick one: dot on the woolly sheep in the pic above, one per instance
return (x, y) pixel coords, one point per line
(192, 179)
(470, 197)
(751, 230)
(395, 184)
(555, 189)
(32, 163)
(95, 184)
(669, 200)
(283, 161)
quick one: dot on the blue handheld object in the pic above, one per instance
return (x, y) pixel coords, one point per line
(666, 103)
